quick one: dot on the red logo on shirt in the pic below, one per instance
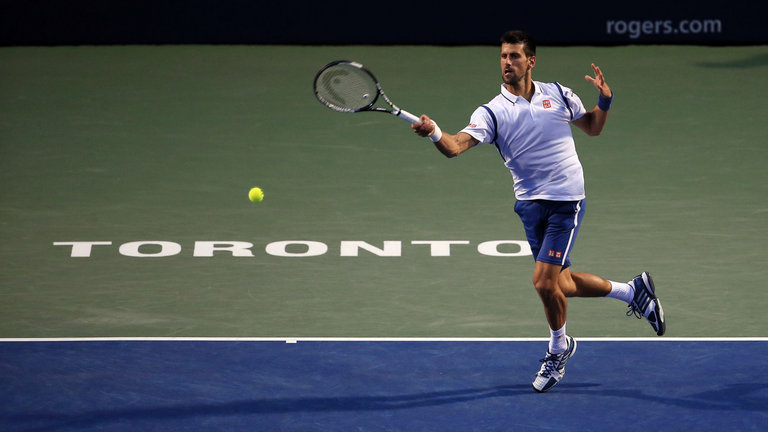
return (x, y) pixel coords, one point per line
(546, 104)
(556, 254)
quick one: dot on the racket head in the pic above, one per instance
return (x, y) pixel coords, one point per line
(346, 86)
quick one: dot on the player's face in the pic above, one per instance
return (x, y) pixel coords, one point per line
(515, 65)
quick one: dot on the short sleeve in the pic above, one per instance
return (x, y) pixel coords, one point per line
(481, 126)
(574, 102)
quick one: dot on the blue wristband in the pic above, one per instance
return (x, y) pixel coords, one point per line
(604, 103)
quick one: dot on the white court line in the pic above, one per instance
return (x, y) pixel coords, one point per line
(378, 339)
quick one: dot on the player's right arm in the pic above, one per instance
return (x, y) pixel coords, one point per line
(449, 145)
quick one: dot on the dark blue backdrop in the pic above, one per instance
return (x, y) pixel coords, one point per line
(55, 22)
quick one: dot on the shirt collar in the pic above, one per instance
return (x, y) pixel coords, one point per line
(513, 97)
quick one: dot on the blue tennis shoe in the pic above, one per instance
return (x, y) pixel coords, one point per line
(645, 304)
(553, 367)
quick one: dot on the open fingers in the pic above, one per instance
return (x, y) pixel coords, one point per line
(598, 74)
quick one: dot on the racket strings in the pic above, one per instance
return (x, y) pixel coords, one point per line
(346, 88)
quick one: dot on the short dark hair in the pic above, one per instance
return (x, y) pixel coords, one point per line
(520, 37)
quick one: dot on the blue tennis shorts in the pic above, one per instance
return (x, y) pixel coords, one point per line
(551, 228)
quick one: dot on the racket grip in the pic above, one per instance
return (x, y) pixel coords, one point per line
(405, 115)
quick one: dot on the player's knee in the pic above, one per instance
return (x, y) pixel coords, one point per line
(545, 287)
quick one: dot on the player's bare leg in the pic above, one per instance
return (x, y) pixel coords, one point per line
(583, 284)
(547, 281)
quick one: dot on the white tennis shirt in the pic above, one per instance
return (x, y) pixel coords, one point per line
(535, 140)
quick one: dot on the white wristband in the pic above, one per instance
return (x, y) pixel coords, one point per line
(436, 134)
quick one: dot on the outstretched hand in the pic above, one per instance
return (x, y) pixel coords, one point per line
(425, 127)
(599, 82)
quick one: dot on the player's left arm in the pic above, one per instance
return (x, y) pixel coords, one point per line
(593, 121)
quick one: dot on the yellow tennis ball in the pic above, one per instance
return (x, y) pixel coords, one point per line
(256, 195)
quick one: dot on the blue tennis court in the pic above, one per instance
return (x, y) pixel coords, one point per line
(381, 385)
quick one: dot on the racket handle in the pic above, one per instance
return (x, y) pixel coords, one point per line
(405, 115)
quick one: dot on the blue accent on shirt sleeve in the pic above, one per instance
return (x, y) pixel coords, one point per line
(495, 123)
(567, 105)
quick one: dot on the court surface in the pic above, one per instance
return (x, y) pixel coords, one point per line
(124, 174)
(382, 385)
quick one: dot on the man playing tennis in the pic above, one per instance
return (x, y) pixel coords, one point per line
(529, 123)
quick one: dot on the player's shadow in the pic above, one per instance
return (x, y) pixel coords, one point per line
(55, 421)
(734, 397)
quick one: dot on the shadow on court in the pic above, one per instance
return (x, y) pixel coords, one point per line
(376, 386)
(752, 61)
(736, 397)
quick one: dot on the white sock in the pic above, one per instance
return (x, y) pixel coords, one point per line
(557, 341)
(622, 291)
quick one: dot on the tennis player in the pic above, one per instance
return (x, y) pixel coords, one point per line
(529, 123)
